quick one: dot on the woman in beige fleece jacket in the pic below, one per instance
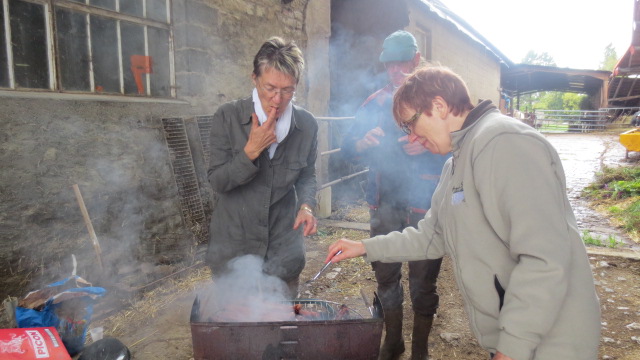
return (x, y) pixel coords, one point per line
(501, 213)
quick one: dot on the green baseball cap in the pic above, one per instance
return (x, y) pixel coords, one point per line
(399, 46)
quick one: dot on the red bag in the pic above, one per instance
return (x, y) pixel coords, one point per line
(32, 344)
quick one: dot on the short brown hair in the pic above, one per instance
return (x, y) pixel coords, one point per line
(427, 82)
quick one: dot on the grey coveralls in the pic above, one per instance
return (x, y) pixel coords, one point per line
(258, 200)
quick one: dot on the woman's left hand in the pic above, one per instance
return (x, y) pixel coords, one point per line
(310, 222)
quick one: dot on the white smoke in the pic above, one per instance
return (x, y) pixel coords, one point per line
(245, 293)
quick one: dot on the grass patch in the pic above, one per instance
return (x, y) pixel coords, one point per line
(553, 127)
(590, 239)
(615, 183)
(617, 191)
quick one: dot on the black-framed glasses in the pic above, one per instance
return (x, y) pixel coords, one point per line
(406, 126)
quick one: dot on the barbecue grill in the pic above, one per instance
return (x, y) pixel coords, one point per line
(325, 337)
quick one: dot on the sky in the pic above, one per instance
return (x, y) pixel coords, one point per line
(574, 33)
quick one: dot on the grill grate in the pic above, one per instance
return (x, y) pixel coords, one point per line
(185, 176)
(204, 126)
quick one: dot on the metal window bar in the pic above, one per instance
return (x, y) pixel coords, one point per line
(120, 62)
(51, 50)
(146, 53)
(9, 50)
(92, 78)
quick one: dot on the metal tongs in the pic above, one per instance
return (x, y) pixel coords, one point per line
(324, 268)
(308, 282)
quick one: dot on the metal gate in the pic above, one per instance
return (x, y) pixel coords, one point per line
(563, 121)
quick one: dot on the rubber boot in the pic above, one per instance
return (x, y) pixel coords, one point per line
(420, 338)
(393, 345)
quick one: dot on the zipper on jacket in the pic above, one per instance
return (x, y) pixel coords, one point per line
(499, 289)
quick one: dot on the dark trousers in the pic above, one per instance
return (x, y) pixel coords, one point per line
(422, 274)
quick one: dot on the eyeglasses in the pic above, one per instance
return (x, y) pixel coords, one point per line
(405, 66)
(406, 126)
(273, 91)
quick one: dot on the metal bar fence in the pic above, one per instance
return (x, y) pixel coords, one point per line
(569, 121)
(325, 153)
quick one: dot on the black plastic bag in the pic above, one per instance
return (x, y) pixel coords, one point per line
(106, 349)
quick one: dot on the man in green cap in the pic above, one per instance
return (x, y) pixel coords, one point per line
(402, 177)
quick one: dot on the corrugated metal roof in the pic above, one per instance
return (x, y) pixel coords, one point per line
(525, 78)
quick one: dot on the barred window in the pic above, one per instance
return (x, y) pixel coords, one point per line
(120, 47)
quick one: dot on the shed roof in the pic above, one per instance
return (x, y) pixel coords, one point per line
(525, 78)
(624, 87)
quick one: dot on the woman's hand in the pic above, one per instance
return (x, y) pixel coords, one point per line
(305, 215)
(261, 136)
(350, 249)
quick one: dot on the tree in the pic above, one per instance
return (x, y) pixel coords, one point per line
(573, 101)
(533, 58)
(610, 58)
(528, 102)
(549, 100)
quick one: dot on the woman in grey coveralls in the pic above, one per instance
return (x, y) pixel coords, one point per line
(262, 167)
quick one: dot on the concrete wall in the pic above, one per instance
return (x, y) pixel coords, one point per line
(479, 68)
(115, 147)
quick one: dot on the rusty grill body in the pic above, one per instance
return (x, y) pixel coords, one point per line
(354, 339)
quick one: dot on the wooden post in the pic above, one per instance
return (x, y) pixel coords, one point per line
(87, 222)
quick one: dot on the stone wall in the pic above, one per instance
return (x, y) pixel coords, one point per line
(115, 149)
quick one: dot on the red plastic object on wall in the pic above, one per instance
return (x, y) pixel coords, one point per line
(141, 64)
(32, 344)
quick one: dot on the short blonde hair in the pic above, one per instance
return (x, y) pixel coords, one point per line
(281, 55)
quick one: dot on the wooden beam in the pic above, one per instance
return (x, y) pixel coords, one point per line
(625, 98)
(633, 85)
